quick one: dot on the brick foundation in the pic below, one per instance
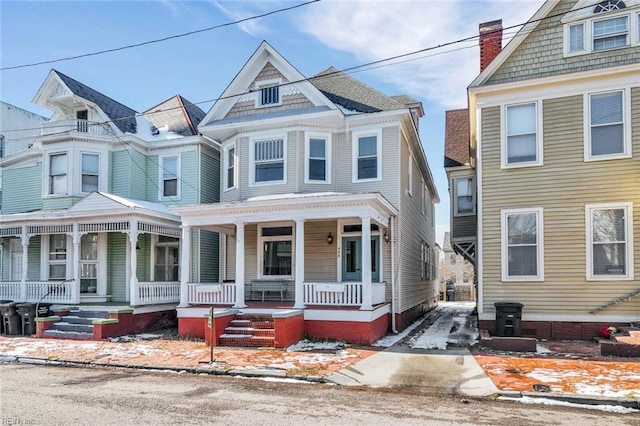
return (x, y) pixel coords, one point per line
(360, 333)
(219, 324)
(288, 330)
(128, 323)
(408, 317)
(558, 330)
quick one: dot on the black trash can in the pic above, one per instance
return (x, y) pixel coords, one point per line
(44, 309)
(451, 294)
(10, 319)
(508, 319)
(27, 313)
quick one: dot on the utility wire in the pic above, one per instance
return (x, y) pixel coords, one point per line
(159, 40)
(356, 68)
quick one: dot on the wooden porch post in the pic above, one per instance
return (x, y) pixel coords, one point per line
(240, 266)
(75, 289)
(299, 289)
(367, 293)
(25, 263)
(133, 279)
(185, 265)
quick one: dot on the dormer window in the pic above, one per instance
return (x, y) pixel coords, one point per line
(608, 25)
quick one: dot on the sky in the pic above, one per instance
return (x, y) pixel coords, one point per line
(339, 33)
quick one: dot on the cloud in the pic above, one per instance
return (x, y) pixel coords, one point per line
(374, 30)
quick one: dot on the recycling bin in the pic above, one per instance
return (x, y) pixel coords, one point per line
(508, 319)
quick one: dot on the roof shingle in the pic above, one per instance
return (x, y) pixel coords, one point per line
(456, 138)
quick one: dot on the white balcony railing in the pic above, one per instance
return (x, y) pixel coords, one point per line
(211, 293)
(38, 291)
(340, 294)
(158, 292)
(81, 126)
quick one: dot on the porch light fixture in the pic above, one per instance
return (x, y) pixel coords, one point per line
(137, 246)
(387, 237)
(329, 239)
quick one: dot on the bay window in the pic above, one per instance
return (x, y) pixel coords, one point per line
(268, 160)
(90, 172)
(58, 174)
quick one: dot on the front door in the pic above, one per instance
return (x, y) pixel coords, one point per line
(352, 258)
(89, 264)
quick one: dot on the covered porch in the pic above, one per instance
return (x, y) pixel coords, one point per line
(102, 249)
(306, 249)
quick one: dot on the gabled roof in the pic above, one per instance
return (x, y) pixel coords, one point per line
(352, 94)
(456, 138)
(513, 44)
(121, 115)
(178, 114)
(241, 83)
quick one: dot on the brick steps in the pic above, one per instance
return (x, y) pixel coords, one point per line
(253, 331)
(78, 325)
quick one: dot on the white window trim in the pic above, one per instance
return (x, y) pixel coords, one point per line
(628, 210)
(634, 31)
(262, 240)
(263, 84)
(47, 168)
(100, 171)
(423, 202)
(225, 163)
(161, 160)
(539, 142)
(252, 156)
(45, 243)
(455, 195)
(354, 154)
(327, 153)
(410, 175)
(504, 256)
(626, 131)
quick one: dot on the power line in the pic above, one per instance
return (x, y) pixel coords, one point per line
(159, 40)
(356, 68)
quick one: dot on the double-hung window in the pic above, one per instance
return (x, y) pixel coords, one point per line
(522, 144)
(169, 176)
(367, 162)
(317, 158)
(522, 245)
(90, 172)
(269, 160)
(58, 174)
(606, 132)
(611, 33)
(609, 241)
(57, 257)
(464, 200)
(230, 167)
(277, 244)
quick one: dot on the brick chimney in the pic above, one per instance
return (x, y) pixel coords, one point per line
(490, 42)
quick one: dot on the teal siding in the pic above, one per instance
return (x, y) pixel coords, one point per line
(117, 267)
(5, 258)
(189, 172)
(209, 255)
(22, 189)
(119, 177)
(209, 179)
(33, 270)
(59, 203)
(144, 258)
(137, 171)
(152, 190)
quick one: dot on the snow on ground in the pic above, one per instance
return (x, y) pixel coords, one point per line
(547, 401)
(453, 326)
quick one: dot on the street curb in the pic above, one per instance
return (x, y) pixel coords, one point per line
(249, 373)
(575, 399)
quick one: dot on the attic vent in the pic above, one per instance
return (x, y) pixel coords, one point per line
(609, 5)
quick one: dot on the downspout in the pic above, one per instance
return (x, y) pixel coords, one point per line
(393, 277)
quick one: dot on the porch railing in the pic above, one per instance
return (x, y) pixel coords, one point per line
(340, 294)
(82, 126)
(211, 293)
(157, 292)
(44, 291)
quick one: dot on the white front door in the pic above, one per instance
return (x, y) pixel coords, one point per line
(89, 264)
(15, 266)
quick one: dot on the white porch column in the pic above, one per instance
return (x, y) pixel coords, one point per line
(240, 266)
(25, 264)
(367, 293)
(299, 296)
(185, 265)
(133, 279)
(75, 289)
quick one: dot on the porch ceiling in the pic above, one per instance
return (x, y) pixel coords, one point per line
(282, 207)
